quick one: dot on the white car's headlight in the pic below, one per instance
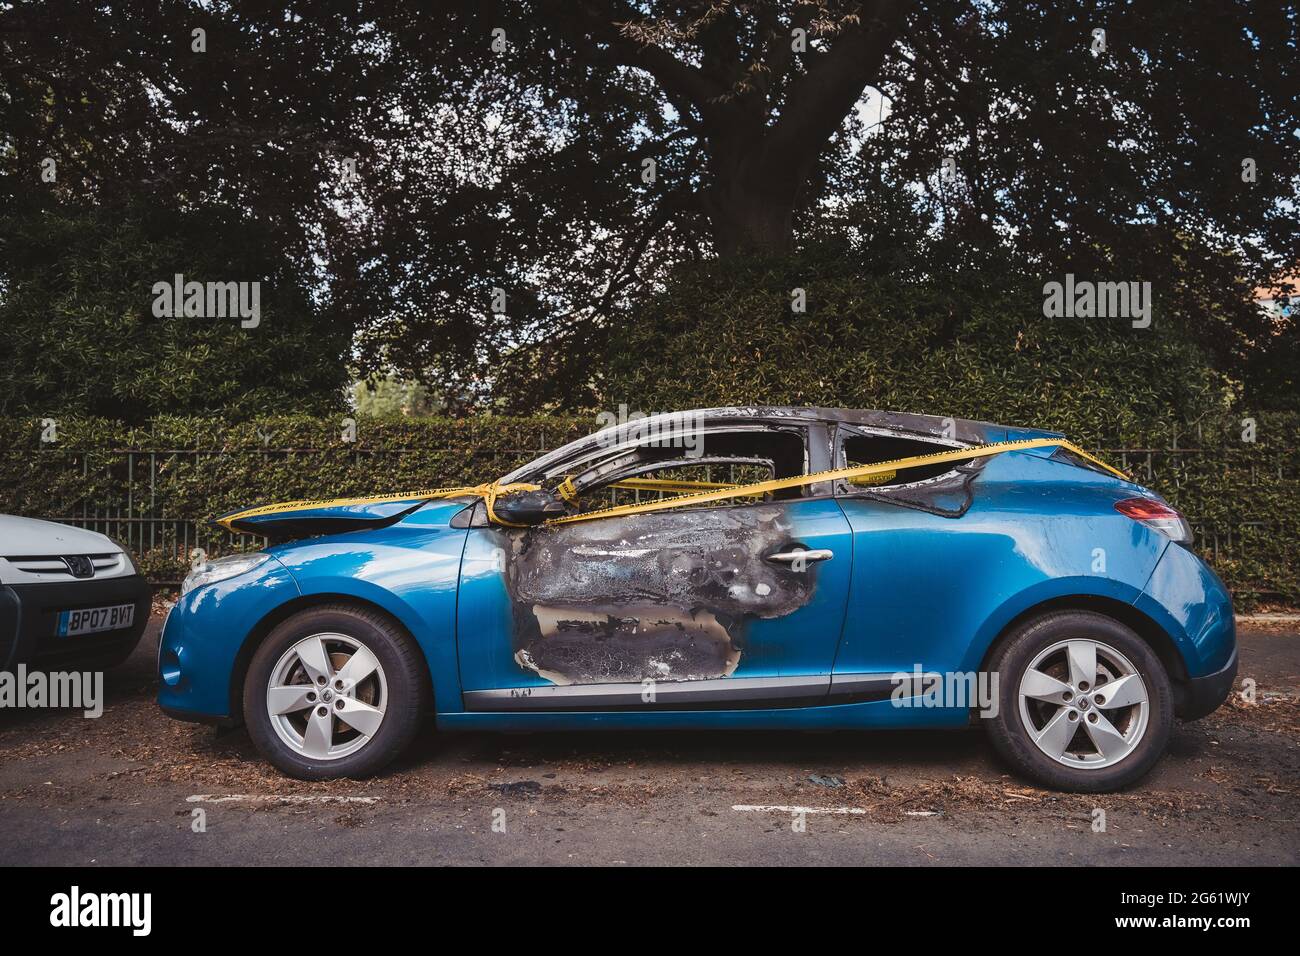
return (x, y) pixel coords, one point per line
(222, 568)
(126, 553)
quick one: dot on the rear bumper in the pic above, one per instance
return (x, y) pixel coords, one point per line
(29, 621)
(1186, 598)
(1200, 696)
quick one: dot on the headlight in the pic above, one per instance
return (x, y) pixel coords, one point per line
(126, 553)
(222, 568)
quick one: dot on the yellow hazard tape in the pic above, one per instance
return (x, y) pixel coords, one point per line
(697, 492)
(668, 484)
(489, 492)
(869, 480)
(836, 474)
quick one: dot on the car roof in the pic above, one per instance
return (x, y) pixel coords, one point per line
(960, 430)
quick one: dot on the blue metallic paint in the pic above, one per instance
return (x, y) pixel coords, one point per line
(205, 630)
(923, 594)
(408, 570)
(924, 589)
(1187, 599)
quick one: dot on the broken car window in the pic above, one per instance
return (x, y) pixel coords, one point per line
(648, 472)
(859, 448)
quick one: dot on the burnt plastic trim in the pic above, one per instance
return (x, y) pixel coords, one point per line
(927, 494)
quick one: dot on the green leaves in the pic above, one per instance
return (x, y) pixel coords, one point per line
(1243, 498)
(78, 318)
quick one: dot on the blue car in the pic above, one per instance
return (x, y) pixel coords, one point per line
(749, 568)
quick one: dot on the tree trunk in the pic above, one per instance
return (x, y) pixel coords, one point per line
(746, 222)
(751, 204)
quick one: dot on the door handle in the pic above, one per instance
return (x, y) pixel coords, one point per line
(790, 557)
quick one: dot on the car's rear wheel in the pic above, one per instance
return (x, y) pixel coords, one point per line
(334, 691)
(1084, 703)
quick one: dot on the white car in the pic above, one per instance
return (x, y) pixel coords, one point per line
(68, 597)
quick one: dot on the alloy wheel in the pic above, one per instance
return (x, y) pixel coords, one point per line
(327, 696)
(1084, 704)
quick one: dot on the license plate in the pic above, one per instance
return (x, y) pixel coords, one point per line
(93, 619)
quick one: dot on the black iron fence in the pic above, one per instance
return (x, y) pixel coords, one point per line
(131, 494)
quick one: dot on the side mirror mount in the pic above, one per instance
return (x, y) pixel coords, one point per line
(529, 507)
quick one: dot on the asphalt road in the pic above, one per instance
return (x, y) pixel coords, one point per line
(125, 788)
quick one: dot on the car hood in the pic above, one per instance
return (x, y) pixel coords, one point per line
(303, 519)
(31, 537)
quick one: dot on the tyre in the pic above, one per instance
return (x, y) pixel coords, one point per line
(334, 691)
(1084, 704)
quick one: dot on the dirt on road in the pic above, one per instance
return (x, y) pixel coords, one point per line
(134, 787)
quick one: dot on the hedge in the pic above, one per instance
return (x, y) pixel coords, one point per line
(877, 342)
(1242, 497)
(114, 477)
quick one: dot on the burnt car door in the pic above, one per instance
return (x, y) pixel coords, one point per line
(712, 605)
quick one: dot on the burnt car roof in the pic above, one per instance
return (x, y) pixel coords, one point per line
(962, 429)
(875, 418)
(949, 428)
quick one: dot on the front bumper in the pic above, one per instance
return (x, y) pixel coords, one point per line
(1200, 696)
(29, 621)
(199, 651)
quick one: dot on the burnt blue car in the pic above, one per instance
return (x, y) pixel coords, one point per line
(748, 568)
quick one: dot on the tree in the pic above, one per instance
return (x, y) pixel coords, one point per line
(526, 169)
(81, 337)
(391, 397)
(750, 85)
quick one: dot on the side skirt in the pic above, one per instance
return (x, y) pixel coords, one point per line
(728, 693)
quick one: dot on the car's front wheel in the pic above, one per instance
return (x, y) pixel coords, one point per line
(1084, 703)
(334, 691)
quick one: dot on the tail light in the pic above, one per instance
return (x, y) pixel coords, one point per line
(1157, 515)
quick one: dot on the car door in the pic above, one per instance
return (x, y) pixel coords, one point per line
(910, 604)
(740, 600)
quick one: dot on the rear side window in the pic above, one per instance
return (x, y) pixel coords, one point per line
(863, 449)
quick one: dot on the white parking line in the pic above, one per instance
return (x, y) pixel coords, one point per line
(275, 798)
(763, 808)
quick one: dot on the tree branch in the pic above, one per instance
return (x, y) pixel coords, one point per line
(600, 19)
(677, 200)
(818, 102)
(780, 46)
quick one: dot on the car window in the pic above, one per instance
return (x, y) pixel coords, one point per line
(646, 472)
(864, 448)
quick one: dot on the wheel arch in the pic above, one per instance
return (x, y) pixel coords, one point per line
(253, 640)
(1140, 623)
